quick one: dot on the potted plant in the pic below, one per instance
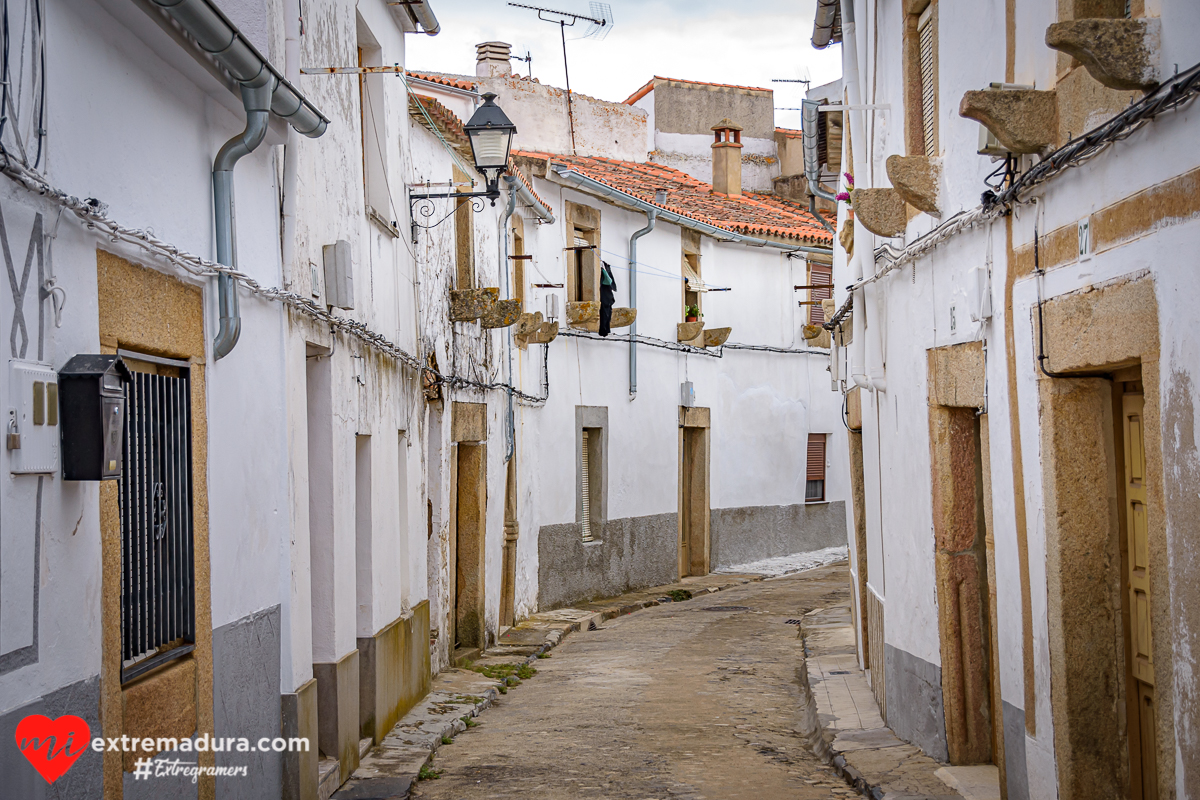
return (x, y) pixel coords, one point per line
(692, 313)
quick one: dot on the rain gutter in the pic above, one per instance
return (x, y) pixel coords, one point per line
(264, 92)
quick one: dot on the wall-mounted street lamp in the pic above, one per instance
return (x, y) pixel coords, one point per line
(490, 132)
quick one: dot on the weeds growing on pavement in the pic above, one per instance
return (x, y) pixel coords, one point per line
(428, 773)
(500, 672)
(679, 595)
(447, 740)
(469, 722)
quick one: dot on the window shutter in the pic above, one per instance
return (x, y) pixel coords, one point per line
(927, 50)
(585, 489)
(819, 275)
(816, 457)
(692, 280)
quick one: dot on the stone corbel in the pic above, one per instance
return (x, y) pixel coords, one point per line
(881, 211)
(471, 304)
(622, 317)
(502, 314)
(917, 179)
(816, 335)
(1119, 53)
(532, 329)
(1024, 120)
(688, 331)
(715, 337)
(583, 312)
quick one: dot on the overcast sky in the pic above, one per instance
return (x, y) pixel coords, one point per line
(743, 42)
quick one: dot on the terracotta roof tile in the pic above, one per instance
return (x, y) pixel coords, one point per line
(790, 133)
(444, 80)
(649, 87)
(752, 214)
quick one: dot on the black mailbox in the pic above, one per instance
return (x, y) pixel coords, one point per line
(91, 398)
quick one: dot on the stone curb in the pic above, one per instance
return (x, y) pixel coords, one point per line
(391, 768)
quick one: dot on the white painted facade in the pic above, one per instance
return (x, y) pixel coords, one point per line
(926, 304)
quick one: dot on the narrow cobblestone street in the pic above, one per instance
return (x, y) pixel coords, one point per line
(698, 699)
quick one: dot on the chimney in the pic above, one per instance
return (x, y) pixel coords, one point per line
(727, 158)
(492, 59)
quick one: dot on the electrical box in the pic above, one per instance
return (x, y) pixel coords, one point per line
(551, 307)
(91, 393)
(979, 294)
(687, 395)
(339, 274)
(31, 434)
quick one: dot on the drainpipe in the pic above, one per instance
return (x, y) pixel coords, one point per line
(264, 91)
(863, 239)
(291, 154)
(510, 432)
(257, 101)
(651, 218)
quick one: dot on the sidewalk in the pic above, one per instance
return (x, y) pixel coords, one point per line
(458, 695)
(854, 737)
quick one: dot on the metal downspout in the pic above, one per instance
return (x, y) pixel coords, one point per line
(291, 149)
(510, 429)
(858, 344)
(256, 98)
(651, 218)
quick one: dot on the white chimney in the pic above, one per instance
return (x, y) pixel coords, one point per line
(492, 59)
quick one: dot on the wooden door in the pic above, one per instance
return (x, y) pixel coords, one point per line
(693, 546)
(1142, 757)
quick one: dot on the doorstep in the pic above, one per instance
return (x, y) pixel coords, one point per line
(853, 736)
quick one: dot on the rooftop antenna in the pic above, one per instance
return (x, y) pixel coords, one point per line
(527, 58)
(600, 21)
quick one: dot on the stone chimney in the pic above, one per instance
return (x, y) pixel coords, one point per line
(727, 158)
(492, 59)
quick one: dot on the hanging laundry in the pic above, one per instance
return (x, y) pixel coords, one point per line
(608, 289)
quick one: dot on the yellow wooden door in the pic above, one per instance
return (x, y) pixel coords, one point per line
(1138, 583)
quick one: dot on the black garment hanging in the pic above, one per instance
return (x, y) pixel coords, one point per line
(608, 289)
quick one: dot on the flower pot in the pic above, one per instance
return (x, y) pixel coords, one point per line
(692, 319)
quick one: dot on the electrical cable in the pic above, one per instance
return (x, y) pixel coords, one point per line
(680, 347)
(93, 214)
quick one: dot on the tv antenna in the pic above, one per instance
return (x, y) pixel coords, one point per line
(527, 58)
(805, 81)
(600, 22)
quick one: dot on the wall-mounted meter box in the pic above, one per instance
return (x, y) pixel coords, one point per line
(31, 425)
(91, 398)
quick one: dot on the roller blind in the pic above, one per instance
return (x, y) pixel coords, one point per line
(819, 275)
(816, 457)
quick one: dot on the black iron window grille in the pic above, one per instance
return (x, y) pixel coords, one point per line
(158, 617)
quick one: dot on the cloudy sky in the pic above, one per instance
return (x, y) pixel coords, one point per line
(744, 42)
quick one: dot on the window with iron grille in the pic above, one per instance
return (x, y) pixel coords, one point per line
(158, 619)
(814, 489)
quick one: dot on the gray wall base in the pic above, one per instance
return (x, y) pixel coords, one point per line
(752, 533)
(1015, 770)
(915, 710)
(631, 553)
(20, 781)
(245, 701)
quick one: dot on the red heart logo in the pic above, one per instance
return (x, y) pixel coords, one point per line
(52, 745)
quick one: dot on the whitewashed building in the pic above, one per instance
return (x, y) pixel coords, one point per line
(1020, 375)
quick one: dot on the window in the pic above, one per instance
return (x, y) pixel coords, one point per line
(582, 253)
(583, 275)
(693, 286)
(819, 275)
(814, 490)
(927, 48)
(464, 238)
(372, 124)
(585, 478)
(518, 258)
(921, 80)
(591, 425)
(154, 494)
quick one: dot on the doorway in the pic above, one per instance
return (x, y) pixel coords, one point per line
(1135, 614)
(693, 492)
(468, 549)
(964, 616)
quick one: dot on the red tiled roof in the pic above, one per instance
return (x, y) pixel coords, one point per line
(752, 214)
(649, 87)
(790, 133)
(512, 170)
(444, 80)
(447, 121)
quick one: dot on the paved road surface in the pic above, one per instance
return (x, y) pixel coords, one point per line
(682, 701)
